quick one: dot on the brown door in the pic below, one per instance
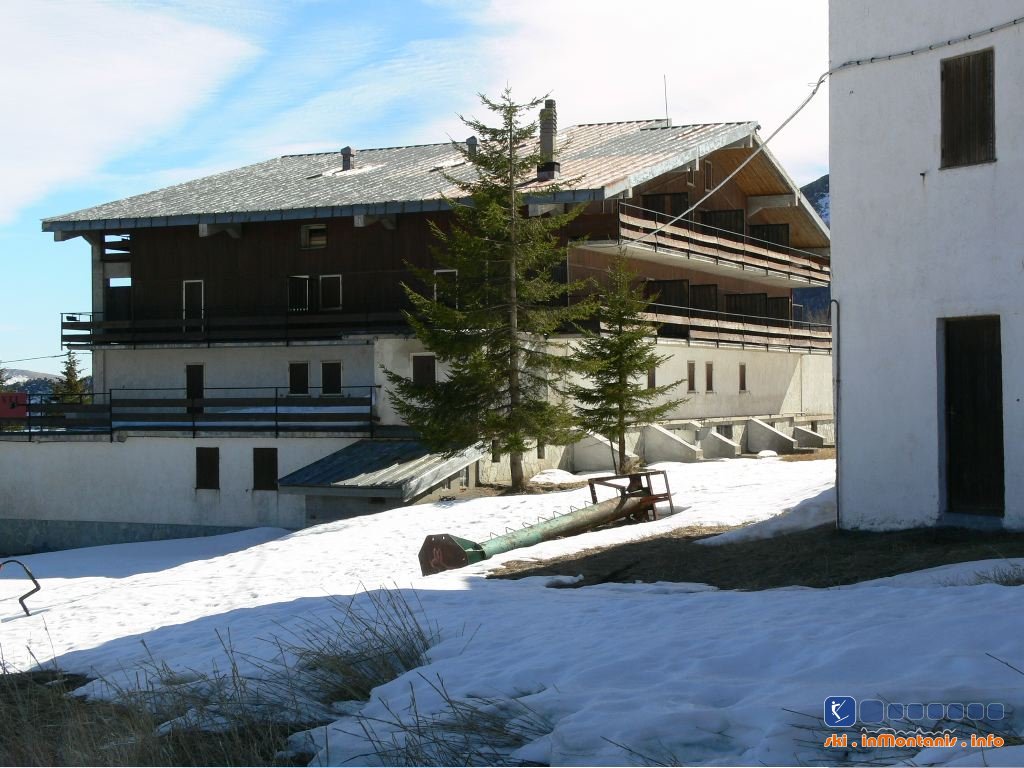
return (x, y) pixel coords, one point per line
(974, 417)
(194, 388)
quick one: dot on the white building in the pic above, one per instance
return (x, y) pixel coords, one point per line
(240, 325)
(927, 161)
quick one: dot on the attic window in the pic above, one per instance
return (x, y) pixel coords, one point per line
(709, 176)
(313, 235)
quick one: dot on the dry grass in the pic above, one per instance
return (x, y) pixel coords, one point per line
(468, 731)
(219, 718)
(822, 557)
(816, 455)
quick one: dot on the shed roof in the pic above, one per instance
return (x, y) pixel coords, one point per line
(603, 159)
(396, 468)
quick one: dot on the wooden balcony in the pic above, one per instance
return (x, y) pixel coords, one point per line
(266, 410)
(724, 329)
(93, 329)
(648, 236)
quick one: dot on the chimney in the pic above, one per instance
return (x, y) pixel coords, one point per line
(471, 143)
(346, 158)
(548, 169)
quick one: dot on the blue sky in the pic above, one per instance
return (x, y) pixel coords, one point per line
(101, 100)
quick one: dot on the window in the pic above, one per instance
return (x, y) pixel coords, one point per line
(298, 293)
(313, 235)
(691, 376)
(264, 469)
(540, 450)
(424, 370)
(495, 451)
(709, 176)
(691, 177)
(743, 377)
(330, 378)
(968, 109)
(298, 378)
(192, 299)
(330, 291)
(652, 377)
(208, 469)
(709, 377)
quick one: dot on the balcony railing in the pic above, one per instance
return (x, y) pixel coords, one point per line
(265, 410)
(85, 329)
(640, 227)
(730, 329)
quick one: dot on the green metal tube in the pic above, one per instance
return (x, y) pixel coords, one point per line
(443, 552)
(564, 525)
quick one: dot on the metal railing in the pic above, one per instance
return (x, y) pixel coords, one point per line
(212, 326)
(218, 409)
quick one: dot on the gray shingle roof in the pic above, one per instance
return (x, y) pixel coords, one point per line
(606, 157)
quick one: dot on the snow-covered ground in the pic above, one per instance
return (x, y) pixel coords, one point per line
(670, 671)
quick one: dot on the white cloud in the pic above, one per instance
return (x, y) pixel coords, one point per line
(725, 60)
(86, 82)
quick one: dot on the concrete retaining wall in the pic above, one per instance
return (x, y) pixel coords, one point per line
(764, 437)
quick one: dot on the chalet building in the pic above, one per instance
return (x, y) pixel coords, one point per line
(241, 323)
(927, 156)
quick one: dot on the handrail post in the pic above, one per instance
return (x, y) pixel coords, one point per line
(277, 424)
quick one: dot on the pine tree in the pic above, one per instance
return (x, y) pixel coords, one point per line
(488, 318)
(617, 358)
(70, 384)
(4, 376)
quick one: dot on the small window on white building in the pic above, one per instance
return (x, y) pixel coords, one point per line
(330, 378)
(208, 469)
(424, 370)
(298, 378)
(709, 377)
(652, 377)
(743, 377)
(313, 235)
(691, 376)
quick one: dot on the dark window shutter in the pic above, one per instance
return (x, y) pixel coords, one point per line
(298, 378)
(208, 469)
(330, 378)
(424, 370)
(968, 109)
(264, 469)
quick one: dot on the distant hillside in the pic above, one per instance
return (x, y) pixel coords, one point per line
(818, 195)
(35, 382)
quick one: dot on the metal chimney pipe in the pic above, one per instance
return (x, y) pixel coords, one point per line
(548, 169)
(346, 158)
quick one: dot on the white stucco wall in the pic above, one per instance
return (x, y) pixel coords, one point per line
(237, 367)
(151, 480)
(912, 244)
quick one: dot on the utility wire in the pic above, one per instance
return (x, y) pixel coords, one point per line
(27, 359)
(817, 86)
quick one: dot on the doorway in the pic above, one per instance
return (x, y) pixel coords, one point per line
(974, 417)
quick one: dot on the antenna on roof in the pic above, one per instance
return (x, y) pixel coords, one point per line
(664, 81)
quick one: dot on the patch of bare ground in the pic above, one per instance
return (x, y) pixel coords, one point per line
(821, 557)
(815, 455)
